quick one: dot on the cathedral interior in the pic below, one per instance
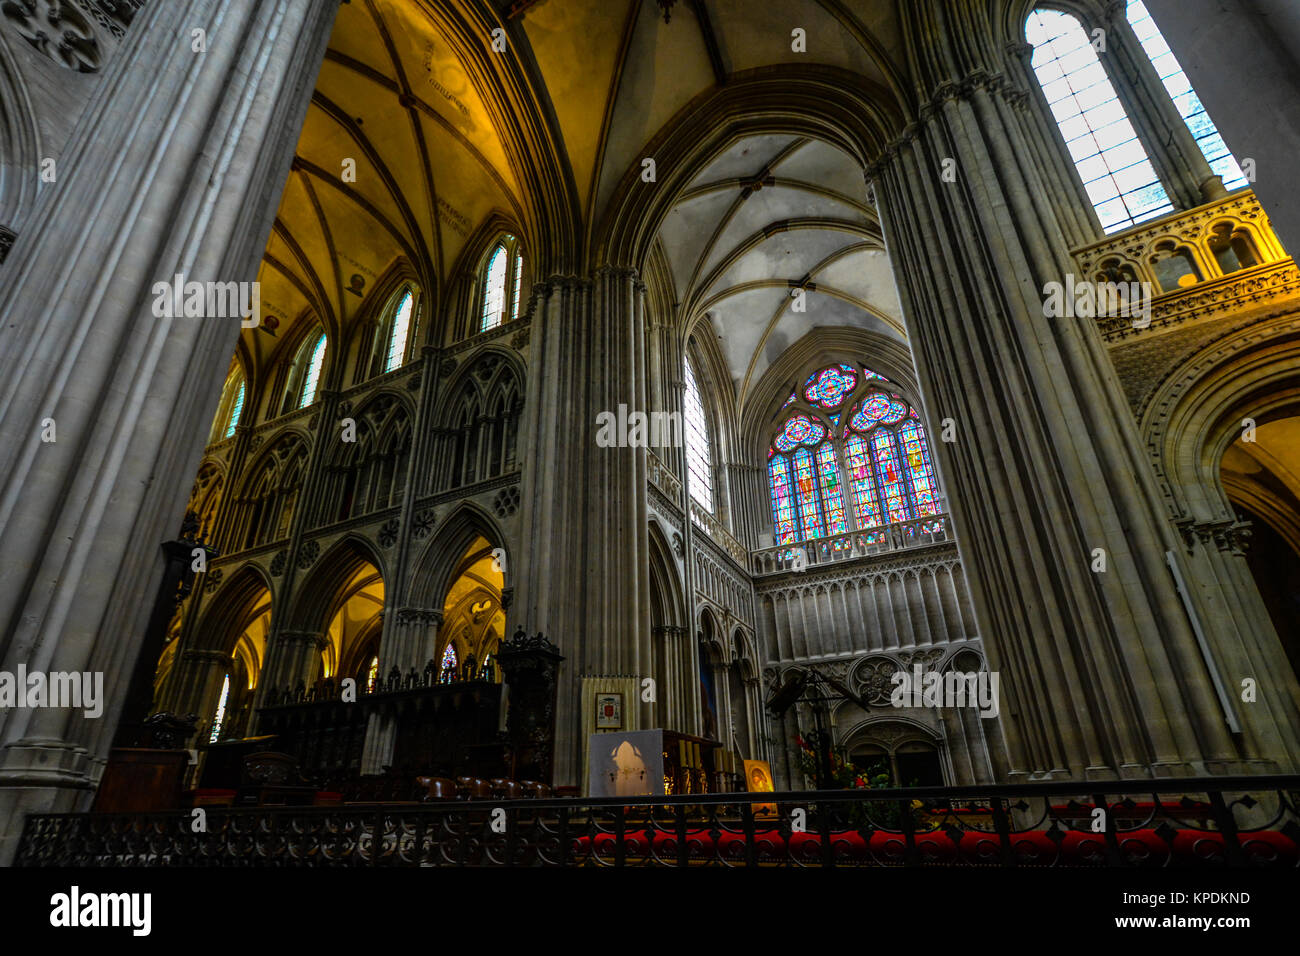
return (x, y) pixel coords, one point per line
(642, 365)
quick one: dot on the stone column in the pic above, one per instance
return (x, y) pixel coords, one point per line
(176, 166)
(292, 657)
(1101, 670)
(1241, 637)
(195, 683)
(583, 576)
(412, 641)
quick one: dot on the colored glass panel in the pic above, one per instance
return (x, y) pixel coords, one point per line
(699, 451)
(832, 493)
(893, 486)
(800, 430)
(312, 378)
(401, 329)
(871, 411)
(805, 483)
(829, 387)
(1185, 99)
(783, 508)
(236, 409)
(494, 290)
(920, 470)
(449, 664)
(1112, 163)
(862, 482)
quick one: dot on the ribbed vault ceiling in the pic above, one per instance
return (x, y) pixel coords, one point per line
(440, 147)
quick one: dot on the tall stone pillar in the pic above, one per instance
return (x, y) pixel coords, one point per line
(194, 684)
(176, 166)
(1101, 671)
(292, 658)
(583, 576)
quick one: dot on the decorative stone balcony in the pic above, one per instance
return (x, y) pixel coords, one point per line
(819, 552)
(661, 477)
(720, 535)
(1205, 263)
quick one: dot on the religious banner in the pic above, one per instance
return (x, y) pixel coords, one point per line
(609, 711)
(758, 779)
(626, 764)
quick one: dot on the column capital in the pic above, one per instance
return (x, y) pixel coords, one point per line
(418, 615)
(204, 656)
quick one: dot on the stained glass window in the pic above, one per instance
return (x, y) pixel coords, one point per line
(828, 469)
(920, 471)
(449, 664)
(236, 409)
(800, 430)
(220, 717)
(494, 289)
(862, 479)
(892, 486)
(782, 499)
(398, 333)
(519, 275)
(1185, 99)
(805, 481)
(829, 387)
(312, 377)
(1117, 174)
(699, 452)
(883, 459)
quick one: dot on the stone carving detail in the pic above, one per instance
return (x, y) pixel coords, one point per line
(875, 679)
(278, 562)
(506, 502)
(388, 533)
(309, 553)
(413, 383)
(418, 615)
(927, 659)
(212, 580)
(446, 368)
(66, 30)
(422, 524)
(519, 340)
(1227, 534)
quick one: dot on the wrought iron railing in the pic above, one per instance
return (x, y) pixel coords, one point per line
(1222, 821)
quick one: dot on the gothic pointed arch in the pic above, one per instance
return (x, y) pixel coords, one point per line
(368, 473)
(241, 599)
(667, 606)
(481, 417)
(270, 490)
(394, 322)
(322, 591)
(434, 569)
